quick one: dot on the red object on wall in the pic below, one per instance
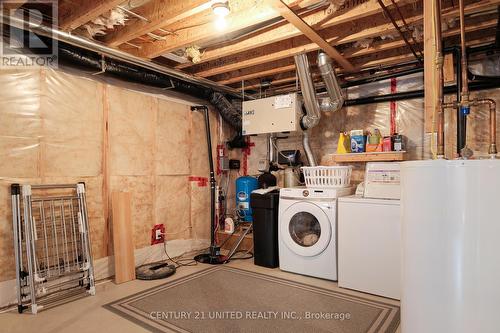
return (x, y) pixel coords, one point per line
(161, 238)
(202, 181)
(394, 129)
(246, 152)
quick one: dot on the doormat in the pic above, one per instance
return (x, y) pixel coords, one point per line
(226, 299)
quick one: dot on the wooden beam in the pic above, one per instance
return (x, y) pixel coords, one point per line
(257, 74)
(243, 14)
(297, 45)
(290, 47)
(352, 10)
(160, 13)
(287, 65)
(381, 46)
(370, 62)
(277, 82)
(431, 81)
(309, 32)
(75, 13)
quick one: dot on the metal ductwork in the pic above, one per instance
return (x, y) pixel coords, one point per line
(312, 104)
(79, 51)
(336, 100)
(313, 114)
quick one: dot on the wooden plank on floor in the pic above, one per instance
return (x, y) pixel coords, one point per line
(123, 244)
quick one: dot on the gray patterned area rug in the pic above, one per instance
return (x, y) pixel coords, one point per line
(226, 299)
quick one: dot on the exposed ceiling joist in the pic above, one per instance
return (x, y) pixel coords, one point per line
(378, 47)
(253, 74)
(75, 13)
(245, 14)
(159, 13)
(371, 62)
(340, 35)
(317, 20)
(309, 32)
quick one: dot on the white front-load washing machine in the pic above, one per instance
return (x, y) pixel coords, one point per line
(308, 230)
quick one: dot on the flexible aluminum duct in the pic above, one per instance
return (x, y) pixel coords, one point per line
(336, 100)
(313, 108)
(74, 56)
(308, 150)
(313, 114)
(109, 52)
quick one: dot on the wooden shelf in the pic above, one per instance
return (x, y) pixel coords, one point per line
(387, 156)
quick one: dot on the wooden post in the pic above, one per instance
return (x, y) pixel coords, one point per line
(430, 73)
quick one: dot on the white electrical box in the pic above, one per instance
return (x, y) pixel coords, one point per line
(271, 115)
(382, 180)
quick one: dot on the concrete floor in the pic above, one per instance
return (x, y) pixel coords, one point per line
(88, 315)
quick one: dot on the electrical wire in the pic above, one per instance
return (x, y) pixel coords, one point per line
(180, 261)
(245, 256)
(288, 158)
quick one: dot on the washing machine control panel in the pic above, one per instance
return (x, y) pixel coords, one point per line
(314, 193)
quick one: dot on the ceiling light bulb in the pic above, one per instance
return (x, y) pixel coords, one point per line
(221, 8)
(220, 23)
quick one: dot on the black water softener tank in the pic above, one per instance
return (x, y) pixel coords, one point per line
(265, 228)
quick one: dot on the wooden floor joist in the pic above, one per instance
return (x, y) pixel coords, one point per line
(262, 37)
(301, 44)
(244, 15)
(291, 75)
(309, 32)
(253, 72)
(159, 13)
(317, 20)
(75, 13)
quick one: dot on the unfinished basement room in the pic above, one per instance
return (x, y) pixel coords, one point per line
(250, 166)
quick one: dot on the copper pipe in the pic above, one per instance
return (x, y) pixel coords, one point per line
(492, 150)
(465, 84)
(440, 78)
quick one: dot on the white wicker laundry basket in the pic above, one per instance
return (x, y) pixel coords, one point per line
(327, 176)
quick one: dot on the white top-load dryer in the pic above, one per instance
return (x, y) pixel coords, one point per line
(308, 230)
(370, 245)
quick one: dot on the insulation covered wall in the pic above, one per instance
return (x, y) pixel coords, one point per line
(57, 127)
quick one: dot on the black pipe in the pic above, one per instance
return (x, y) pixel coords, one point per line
(385, 98)
(405, 72)
(214, 256)
(461, 118)
(72, 56)
(473, 86)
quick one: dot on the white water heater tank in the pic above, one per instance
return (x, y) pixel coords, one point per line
(451, 246)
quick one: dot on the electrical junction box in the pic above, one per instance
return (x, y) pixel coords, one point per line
(234, 164)
(272, 114)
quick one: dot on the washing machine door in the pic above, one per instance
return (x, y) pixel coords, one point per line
(305, 229)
